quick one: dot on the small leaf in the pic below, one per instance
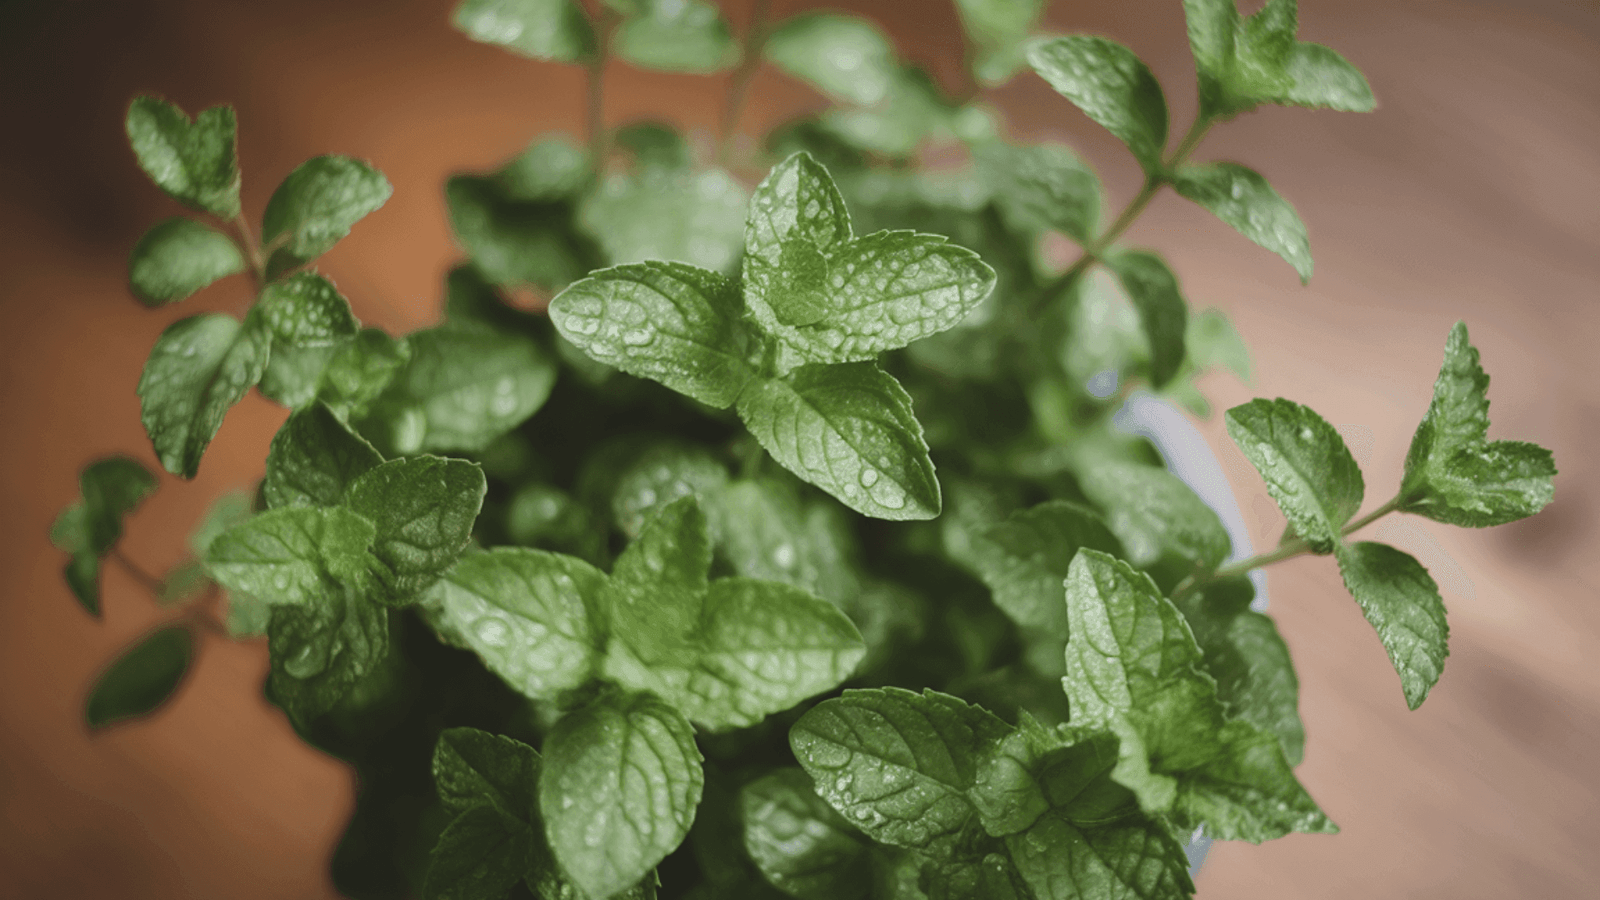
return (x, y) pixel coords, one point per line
(359, 371)
(677, 36)
(1112, 86)
(228, 510)
(1152, 511)
(550, 170)
(1213, 341)
(82, 574)
(843, 56)
(111, 488)
(314, 459)
(316, 206)
(461, 389)
(1243, 199)
(1308, 469)
(199, 367)
(897, 764)
(1162, 310)
(849, 430)
(321, 649)
(677, 216)
(622, 778)
(554, 30)
(998, 29)
(294, 555)
(1042, 187)
(178, 257)
(481, 855)
(526, 613)
(1401, 600)
(797, 202)
(799, 843)
(475, 768)
(194, 163)
(668, 322)
(1025, 559)
(514, 241)
(142, 679)
(424, 508)
(1059, 858)
(1324, 79)
(306, 310)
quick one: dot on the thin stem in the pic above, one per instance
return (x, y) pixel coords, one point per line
(150, 582)
(755, 38)
(252, 251)
(599, 144)
(1375, 515)
(1296, 546)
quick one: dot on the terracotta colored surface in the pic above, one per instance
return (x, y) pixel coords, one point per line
(1474, 192)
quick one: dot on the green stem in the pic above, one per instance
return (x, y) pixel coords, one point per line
(252, 251)
(755, 38)
(1296, 546)
(599, 143)
(150, 582)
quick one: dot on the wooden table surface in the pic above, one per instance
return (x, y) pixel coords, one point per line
(1472, 193)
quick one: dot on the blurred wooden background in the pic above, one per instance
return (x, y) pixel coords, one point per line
(1473, 192)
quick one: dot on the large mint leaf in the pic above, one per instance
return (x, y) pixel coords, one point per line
(527, 614)
(831, 299)
(423, 508)
(142, 678)
(1243, 199)
(1065, 860)
(320, 649)
(1401, 600)
(1453, 473)
(178, 257)
(1133, 667)
(1112, 86)
(1306, 465)
(802, 846)
(677, 36)
(481, 855)
(1025, 559)
(294, 555)
(998, 30)
(199, 367)
(675, 215)
(476, 768)
(1042, 187)
(306, 310)
(316, 206)
(849, 430)
(621, 781)
(669, 322)
(463, 387)
(1152, 511)
(1163, 312)
(555, 30)
(897, 764)
(193, 162)
(842, 56)
(313, 460)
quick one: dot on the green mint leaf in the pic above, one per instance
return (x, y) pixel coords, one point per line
(1152, 511)
(306, 310)
(897, 764)
(992, 878)
(293, 377)
(670, 560)
(1059, 858)
(199, 367)
(766, 532)
(660, 474)
(481, 855)
(313, 460)
(1453, 473)
(228, 510)
(998, 30)
(359, 371)
(1307, 467)
(1243, 199)
(677, 36)
(82, 574)
(655, 146)
(550, 170)
(622, 778)
(849, 430)
(513, 241)
(1248, 659)
(1324, 79)
(1133, 667)
(1112, 86)
(527, 614)
(1213, 341)
(317, 205)
(295, 555)
(668, 322)
(193, 162)
(672, 215)
(554, 30)
(799, 843)
(111, 488)
(845, 57)
(178, 257)
(1401, 600)
(797, 201)
(1242, 63)
(462, 388)
(1025, 559)
(914, 111)
(1042, 187)
(424, 508)
(142, 678)
(475, 768)
(1162, 310)
(320, 649)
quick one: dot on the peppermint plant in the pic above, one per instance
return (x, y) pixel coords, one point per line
(755, 523)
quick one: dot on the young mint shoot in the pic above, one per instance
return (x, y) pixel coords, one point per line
(754, 523)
